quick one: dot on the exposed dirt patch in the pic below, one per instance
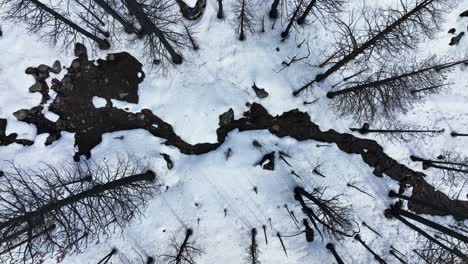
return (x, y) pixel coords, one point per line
(118, 78)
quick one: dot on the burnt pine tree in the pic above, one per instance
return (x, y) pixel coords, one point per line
(386, 33)
(329, 213)
(391, 89)
(185, 252)
(320, 9)
(220, 13)
(62, 209)
(243, 17)
(155, 17)
(399, 131)
(49, 22)
(113, 12)
(273, 13)
(431, 252)
(292, 18)
(453, 165)
(252, 256)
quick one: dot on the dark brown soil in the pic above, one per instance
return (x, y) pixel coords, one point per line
(117, 78)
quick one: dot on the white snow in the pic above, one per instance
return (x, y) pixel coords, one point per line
(191, 97)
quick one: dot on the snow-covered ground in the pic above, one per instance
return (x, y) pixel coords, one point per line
(192, 96)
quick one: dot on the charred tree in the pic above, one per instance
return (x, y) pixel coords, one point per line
(128, 26)
(243, 17)
(273, 13)
(252, 250)
(394, 212)
(376, 256)
(285, 33)
(387, 32)
(447, 231)
(457, 214)
(54, 25)
(63, 209)
(157, 39)
(387, 91)
(333, 216)
(320, 9)
(331, 247)
(183, 253)
(400, 132)
(453, 165)
(220, 13)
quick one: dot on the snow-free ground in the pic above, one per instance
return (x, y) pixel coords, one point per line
(192, 96)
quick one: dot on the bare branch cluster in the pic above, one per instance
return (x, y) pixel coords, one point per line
(330, 213)
(244, 18)
(185, 252)
(392, 89)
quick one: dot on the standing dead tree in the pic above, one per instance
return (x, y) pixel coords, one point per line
(220, 13)
(386, 32)
(453, 165)
(388, 91)
(183, 253)
(243, 17)
(51, 21)
(458, 215)
(396, 212)
(114, 14)
(376, 256)
(157, 20)
(321, 9)
(331, 247)
(432, 252)
(253, 252)
(61, 209)
(399, 132)
(292, 18)
(333, 216)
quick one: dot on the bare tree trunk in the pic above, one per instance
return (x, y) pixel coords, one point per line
(182, 247)
(273, 14)
(370, 85)
(242, 34)
(149, 27)
(368, 44)
(102, 43)
(220, 14)
(128, 27)
(309, 7)
(98, 189)
(285, 33)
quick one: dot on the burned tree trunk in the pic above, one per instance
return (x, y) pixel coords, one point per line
(243, 17)
(39, 16)
(329, 213)
(389, 36)
(390, 213)
(387, 92)
(78, 209)
(128, 26)
(220, 13)
(285, 33)
(148, 27)
(301, 19)
(273, 14)
(331, 247)
(183, 253)
(434, 225)
(457, 214)
(253, 252)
